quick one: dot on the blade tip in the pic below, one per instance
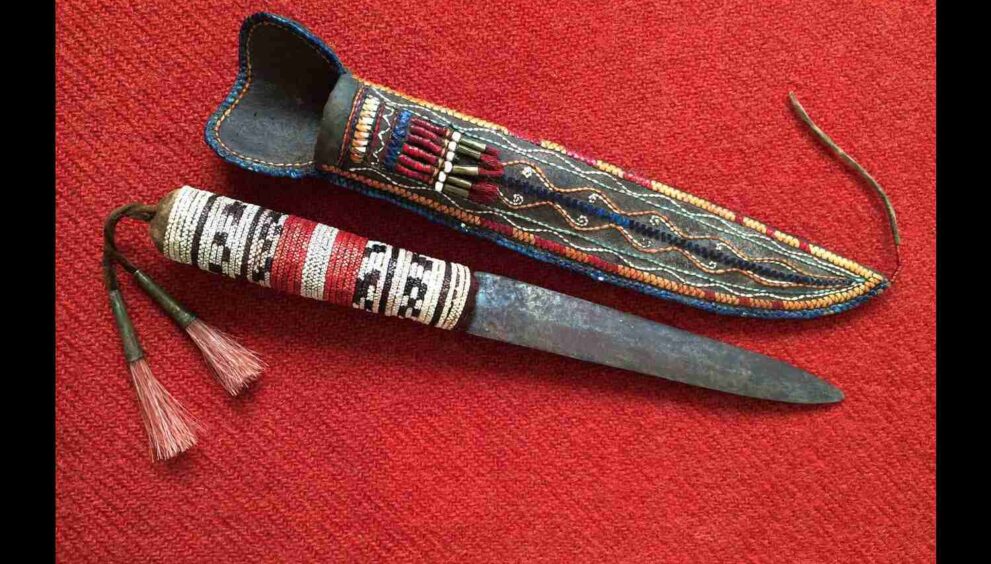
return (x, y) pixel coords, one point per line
(835, 396)
(826, 394)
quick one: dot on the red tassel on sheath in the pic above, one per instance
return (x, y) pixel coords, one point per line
(492, 167)
(492, 162)
(483, 192)
(423, 154)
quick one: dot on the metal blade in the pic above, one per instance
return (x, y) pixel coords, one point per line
(522, 314)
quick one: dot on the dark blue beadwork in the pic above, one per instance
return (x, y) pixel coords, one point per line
(662, 235)
(399, 132)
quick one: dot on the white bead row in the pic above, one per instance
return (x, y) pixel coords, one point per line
(363, 128)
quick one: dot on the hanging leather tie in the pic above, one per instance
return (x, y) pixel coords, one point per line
(860, 171)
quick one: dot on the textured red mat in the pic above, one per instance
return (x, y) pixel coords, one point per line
(378, 439)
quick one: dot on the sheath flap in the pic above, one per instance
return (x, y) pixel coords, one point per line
(295, 111)
(269, 121)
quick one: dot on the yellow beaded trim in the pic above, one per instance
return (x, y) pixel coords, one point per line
(729, 215)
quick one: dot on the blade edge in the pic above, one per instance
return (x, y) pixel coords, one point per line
(515, 312)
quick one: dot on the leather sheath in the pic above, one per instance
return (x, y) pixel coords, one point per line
(296, 111)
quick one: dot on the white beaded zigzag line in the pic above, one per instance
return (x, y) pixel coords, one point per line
(503, 141)
(499, 138)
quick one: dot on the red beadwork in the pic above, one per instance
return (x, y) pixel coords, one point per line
(498, 227)
(421, 155)
(306, 228)
(345, 258)
(425, 144)
(425, 133)
(413, 174)
(290, 255)
(416, 165)
(436, 129)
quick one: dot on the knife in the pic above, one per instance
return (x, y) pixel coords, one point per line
(286, 252)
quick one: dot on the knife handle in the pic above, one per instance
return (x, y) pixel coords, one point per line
(299, 256)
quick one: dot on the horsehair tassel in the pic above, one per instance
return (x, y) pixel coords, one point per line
(233, 365)
(170, 428)
(302, 257)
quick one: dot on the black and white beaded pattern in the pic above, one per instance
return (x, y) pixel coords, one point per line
(263, 243)
(216, 248)
(180, 230)
(222, 235)
(400, 283)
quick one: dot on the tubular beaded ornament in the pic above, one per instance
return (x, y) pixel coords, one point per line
(302, 257)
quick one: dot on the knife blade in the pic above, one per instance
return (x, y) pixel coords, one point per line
(515, 312)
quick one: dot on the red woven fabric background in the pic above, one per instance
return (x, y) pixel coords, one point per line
(374, 439)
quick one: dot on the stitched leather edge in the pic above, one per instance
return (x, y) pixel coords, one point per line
(243, 83)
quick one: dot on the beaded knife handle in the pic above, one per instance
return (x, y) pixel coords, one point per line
(299, 256)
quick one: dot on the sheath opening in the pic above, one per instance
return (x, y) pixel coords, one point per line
(270, 120)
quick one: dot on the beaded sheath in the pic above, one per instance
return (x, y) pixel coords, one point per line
(296, 111)
(302, 257)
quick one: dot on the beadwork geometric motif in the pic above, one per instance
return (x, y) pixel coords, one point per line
(299, 256)
(581, 210)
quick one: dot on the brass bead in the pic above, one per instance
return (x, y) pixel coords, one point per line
(471, 143)
(459, 182)
(464, 170)
(462, 150)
